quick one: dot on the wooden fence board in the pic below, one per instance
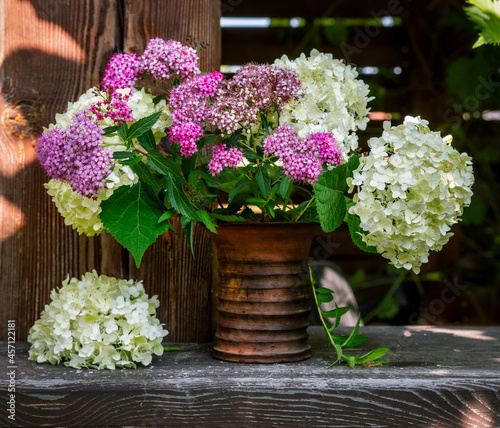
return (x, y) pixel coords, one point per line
(46, 61)
(51, 52)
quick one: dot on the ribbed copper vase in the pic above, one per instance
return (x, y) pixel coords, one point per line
(263, 291)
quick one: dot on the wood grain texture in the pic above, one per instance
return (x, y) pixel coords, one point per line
(51, 52)
(438, 377)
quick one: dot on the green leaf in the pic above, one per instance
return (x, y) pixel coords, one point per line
(124, 155)
(228, 217)
(147, 141)
(331, 207)
(323, 298)
(353, 333)
(142, 125)
(165, 165)
(251, 155)
(207, 221)
(233, 139)
(285, 184)
(165, 216)
(256, 201)
(351, 360)
(354, 224)
(132, 218)
(146, 177)
(158, 98)
(324, 290)
(486, 15)
(110, 130)
(240, 185)
(179, 200)
(188, 227)
(337, 312)
(336, 178)
(263, 180)
(373, 355)
(131, 161)
(123, 131)
(355, 341)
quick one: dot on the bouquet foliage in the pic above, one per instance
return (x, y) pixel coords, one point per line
(272, 143)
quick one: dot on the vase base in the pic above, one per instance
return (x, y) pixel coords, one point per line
(262, 358)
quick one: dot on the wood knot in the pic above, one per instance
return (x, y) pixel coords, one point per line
(23, 118)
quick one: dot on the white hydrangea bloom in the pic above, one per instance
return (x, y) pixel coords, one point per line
(81, 328)
(83, 213)
(80, 212)
(335, 99)
(412, 187)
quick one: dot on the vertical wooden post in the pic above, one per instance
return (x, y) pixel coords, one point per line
(52, 52)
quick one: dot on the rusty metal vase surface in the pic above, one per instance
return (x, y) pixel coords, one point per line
(263, 291)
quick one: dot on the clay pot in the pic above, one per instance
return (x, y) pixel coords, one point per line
(263, 291)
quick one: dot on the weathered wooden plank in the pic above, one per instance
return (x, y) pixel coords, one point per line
(444, 377)
(50, 53)
(181, 280)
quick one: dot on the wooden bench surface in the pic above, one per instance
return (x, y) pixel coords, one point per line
(437, 377)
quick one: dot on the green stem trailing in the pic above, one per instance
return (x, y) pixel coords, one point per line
(339, 342)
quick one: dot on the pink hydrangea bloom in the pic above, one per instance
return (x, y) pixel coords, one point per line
(76, 155)
(165, 59)
(223, 157)
(186, 135)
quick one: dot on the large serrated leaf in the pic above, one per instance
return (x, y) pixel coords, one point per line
(147, 140)
(207, 221)
(354, 224)
(331, 207)
(164, 165)
(132, 218)
(263, 180)
(179, 200)
(284, 187)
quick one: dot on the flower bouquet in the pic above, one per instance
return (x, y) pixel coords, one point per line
(274, 143)
(160, 143)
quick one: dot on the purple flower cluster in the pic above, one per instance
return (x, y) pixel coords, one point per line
(186, 136)
(114, 106)
(165, 59)
(224, 158)
(302, 160)
(121, 72)
(76, 155)
(162, 59)
(254, 89)
(190, 107)
(189, 101)
(323, 146)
